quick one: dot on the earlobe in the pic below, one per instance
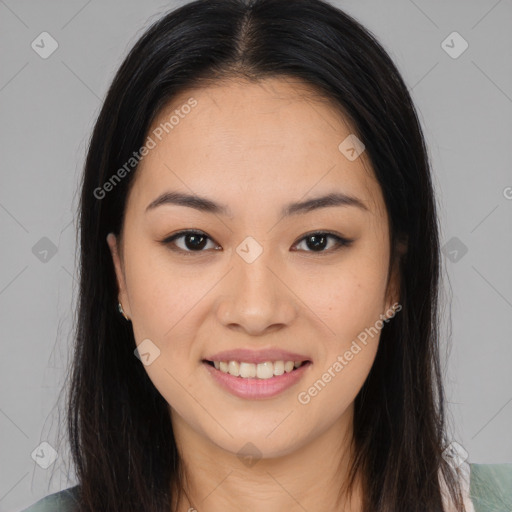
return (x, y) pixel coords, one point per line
(392, 302)
(393, 291)
(112, 242)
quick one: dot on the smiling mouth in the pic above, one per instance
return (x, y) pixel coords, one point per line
(266, 370)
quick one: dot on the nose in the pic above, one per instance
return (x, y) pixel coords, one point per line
(256, 297)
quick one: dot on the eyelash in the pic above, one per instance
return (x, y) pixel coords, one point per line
(340, 241)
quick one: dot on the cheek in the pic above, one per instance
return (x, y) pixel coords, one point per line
(351, 306)
(350, 303)
(351, 297)
(164, 305)
(161, 294)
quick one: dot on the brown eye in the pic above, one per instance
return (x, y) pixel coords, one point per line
(317, 242)
(190, 241)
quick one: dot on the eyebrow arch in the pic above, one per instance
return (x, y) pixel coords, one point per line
(207, 205)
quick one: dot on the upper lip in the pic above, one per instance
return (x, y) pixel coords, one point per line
(257, 356)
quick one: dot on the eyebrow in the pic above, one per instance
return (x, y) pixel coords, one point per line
(207, 205)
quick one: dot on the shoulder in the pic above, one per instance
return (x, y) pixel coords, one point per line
(491, 487)
(62, 501)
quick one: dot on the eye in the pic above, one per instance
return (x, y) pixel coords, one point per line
(318, 241)
(193, 241)
(197, 241)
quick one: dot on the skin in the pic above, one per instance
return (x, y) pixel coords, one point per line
(256, 147)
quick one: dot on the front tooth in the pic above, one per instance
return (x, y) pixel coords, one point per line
(224, 367)
(279, 368)
(265, 370)
(234, 368)
(247, 370)
(288, 366)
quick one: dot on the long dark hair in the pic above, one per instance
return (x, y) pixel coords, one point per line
(119, 426)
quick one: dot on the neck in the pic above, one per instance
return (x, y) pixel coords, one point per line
(308, 477)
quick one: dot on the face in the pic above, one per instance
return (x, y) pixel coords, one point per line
(258, 269)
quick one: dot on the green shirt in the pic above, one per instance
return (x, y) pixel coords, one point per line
(491, 487)
(490, 491)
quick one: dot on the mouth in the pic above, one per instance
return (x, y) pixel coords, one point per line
(253, 381)
(263, 371)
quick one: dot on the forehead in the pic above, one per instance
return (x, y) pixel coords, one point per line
(252, 142)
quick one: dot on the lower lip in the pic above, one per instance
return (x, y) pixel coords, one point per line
(257, 388)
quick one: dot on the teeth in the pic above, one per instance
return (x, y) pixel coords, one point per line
(234, 368)
(247, 370)
(265, 370)
(278, 368)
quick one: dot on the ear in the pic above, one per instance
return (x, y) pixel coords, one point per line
(113, 244)
(393, 289)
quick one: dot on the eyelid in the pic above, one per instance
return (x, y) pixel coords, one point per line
(170, 239)
(341, 241)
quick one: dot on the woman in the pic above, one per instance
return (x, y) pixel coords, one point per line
(258, 325)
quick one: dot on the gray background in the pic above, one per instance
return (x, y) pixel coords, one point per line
(48, 107)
